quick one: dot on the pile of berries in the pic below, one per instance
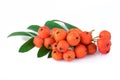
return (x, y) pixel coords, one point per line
(72, 44)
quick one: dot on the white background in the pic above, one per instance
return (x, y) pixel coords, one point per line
(17, 15)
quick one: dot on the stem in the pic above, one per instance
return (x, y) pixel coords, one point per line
(94, 40)
(96, 37)
(92, 31)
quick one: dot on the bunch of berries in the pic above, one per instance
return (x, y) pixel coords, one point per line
(72, 44)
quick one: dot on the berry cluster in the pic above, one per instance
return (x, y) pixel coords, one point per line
(72, 44)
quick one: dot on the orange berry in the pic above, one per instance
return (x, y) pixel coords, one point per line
(69, 55)
(73, 38)
(44, 32)
(54, 46)
(57, 55)
(62, 46)
(48, 42)
(86, 37)
(60, 34)
(53, 31)
(80, 51)
(91, 48)
(38, 41)
(105, 34)
(79, 31)
(104, 45)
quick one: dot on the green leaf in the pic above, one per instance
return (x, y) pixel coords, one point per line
(30, 34)
(69, 26)
(27, 46)
(49, 55)
(52, 24)
(42, 51)
(34, 27)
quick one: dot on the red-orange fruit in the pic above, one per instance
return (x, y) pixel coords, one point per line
(91, 48)
(73, 38)
(69, 55)
(57, 55)
(80, 51)
(48, 42)
(62, 46)
(104, 45)
(79, 31)
(60, 34)
(53, 31)
(44, 32)
(38, 41)
(105, 34)
(54, 46)
(86, 37)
